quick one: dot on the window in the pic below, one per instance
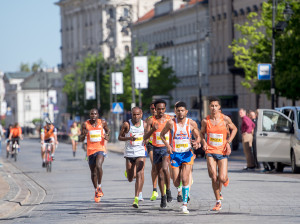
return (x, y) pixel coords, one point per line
(274, 122)
(125, 12)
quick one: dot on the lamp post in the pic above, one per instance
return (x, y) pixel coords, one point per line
(280, 26)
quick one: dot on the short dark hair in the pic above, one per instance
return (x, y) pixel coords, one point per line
(160, 101)
(180, 104)
(136, 107)
(214, 98)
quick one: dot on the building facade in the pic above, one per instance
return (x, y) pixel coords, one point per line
(93, 26)
(178, 30)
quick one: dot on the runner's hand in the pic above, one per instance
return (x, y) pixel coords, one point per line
(227, 149)
(106, 137)
(196, 145)
(132, 138)
(205, 147)
(155, 126)
(169, 149)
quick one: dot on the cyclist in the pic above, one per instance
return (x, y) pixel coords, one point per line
(48, 135)
(15, 135)
(7, 139)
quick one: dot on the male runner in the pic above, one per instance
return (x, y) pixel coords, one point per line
(150, 153)
(48, 135)
(155, 125)
(217, 146)
(132, 132)
(94, 131)
(180, 149)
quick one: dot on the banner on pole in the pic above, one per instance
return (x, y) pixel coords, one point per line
(90, 90)
(117, 83)
(141, 72)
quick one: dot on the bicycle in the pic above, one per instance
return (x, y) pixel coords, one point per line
(48, 156)
(13, 149)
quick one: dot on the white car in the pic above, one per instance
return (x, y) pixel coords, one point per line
(278, 137)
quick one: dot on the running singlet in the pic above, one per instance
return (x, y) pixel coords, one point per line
(95, 137)
(216, 136)
(48, 133)
(181, 136)
(157, 142)
(16, 132)
(135, 148)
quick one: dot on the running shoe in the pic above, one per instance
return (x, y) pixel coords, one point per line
(99, 190)
(165, 189)
(169, 196)
(43, 164)
(179, 198)
(154, 196)
(141, 196)
(52, 156)
(135, 202)
(163, 202)
(221, 196)
(74, 154)
(97, 196)
(125, 173)
(184, 209)
(226, 183)
(218, 207)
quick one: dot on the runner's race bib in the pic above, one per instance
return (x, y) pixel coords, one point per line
(181, 145)
(158, 139)
(139, 139)
(215, 139)
(95, 135)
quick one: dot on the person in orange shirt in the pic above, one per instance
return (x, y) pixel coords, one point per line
(48, 135)
(16, 134)
(94, 131)
(155, 125)
(217, 146)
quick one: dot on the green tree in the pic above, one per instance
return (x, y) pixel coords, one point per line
(254, 47)
(24, 67)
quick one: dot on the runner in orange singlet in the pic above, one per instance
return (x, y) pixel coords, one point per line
(217, 146)
(155, 125)
(94, 131)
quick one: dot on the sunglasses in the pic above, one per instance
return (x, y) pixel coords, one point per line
(152, 108)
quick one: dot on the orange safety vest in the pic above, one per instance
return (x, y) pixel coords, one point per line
(157, 142)
(16, 132)
(216, 136)
(95, 137)
(49, 133)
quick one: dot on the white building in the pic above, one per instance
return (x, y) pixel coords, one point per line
(32, 96)
(179, 31)
(93, 26)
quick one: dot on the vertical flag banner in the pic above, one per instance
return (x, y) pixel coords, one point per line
(141, 72)
(90, 90)
(117, 83)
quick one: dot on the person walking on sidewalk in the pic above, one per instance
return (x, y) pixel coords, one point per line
(247, 129)
(217, 146)
(132, 132)
(253, 117)
(180, 149)
(150, 153)
(155, 125)
(95, 149)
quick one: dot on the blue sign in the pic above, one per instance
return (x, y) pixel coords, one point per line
(117, 108)
(264, 71)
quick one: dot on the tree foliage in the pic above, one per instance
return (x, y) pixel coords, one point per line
(161, 81)
(255, 44)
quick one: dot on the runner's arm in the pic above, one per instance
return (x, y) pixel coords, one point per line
(55, 136)
(83, 133)
(232, 127)
(107, 130)
(149, 130)
(194, 128)
(165, 130)
(124, 130)
(202, 134)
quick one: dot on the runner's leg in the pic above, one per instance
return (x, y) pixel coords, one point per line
(99, 162)
(140, 166)
(130, 170)
(212, 171)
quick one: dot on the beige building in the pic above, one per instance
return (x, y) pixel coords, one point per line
(178, 30)
(92, 26)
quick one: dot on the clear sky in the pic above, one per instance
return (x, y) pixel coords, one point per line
(29, 32)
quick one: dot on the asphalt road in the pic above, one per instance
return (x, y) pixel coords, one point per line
(66, 194)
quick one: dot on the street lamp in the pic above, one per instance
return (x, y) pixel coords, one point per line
(280, 26)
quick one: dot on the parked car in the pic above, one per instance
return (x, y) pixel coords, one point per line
(278, 137)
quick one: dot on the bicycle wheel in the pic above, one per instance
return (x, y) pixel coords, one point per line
(16, 154)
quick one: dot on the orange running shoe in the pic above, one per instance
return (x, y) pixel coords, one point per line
(100, 192)
(226, 183)
(97, 196)
(218, 207)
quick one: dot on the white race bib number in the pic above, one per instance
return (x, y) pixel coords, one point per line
(139, 139)
(181, 145)
(158, 138)
(95, 135)
(215, 139)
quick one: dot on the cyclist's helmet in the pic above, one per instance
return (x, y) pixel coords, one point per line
(48, 121)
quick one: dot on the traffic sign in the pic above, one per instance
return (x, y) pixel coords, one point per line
(118, 108)
(264, 71)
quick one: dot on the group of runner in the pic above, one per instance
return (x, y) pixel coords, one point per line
(169, 141)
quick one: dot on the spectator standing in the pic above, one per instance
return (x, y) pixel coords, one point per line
(247, 129)
(253, 117)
